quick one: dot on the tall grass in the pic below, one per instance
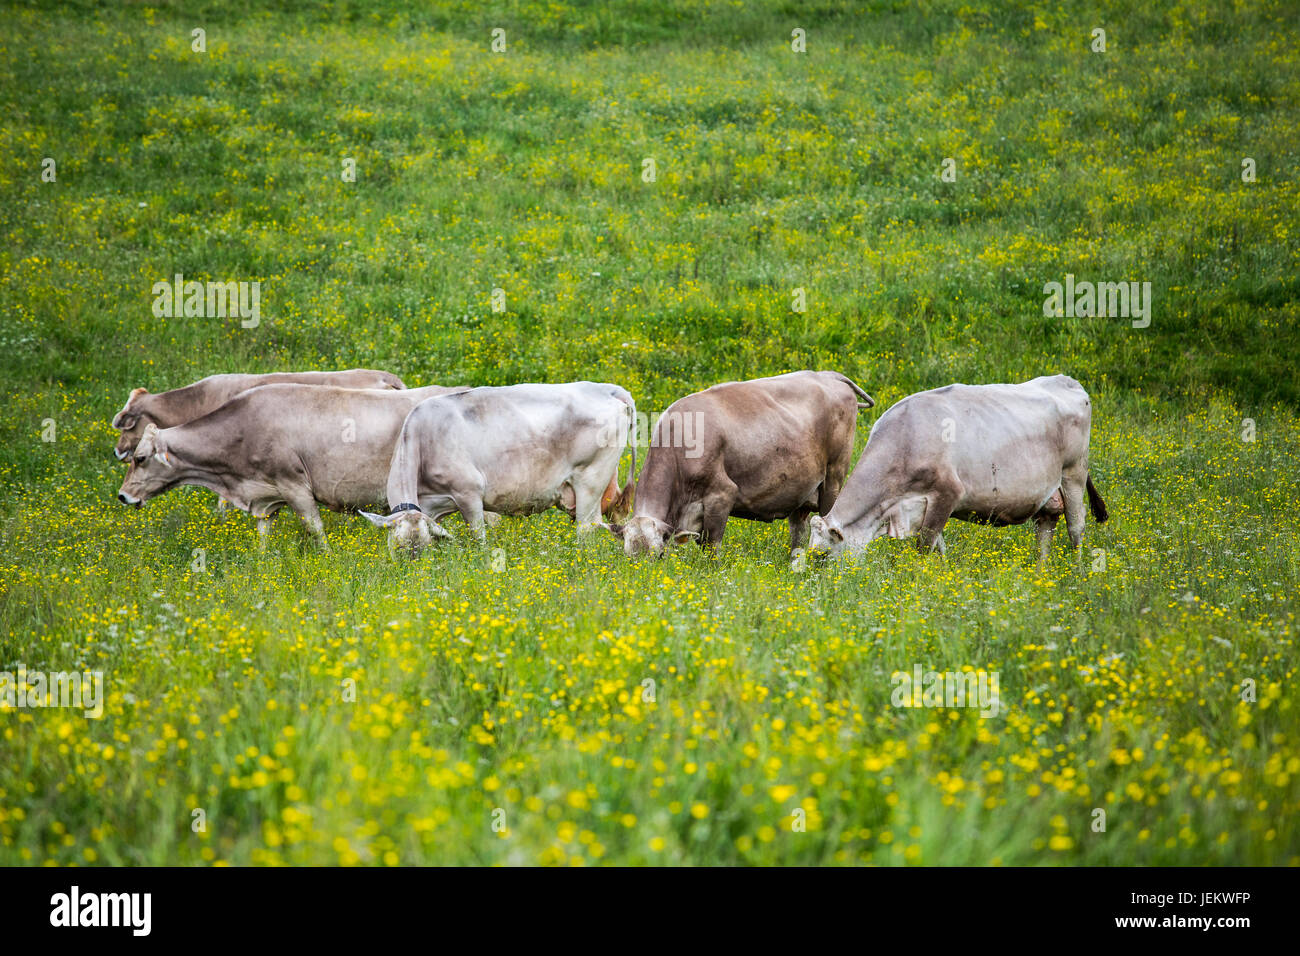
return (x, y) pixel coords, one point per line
(771, 736)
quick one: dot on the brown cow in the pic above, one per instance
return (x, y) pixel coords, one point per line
(181, 405)
(762, 450)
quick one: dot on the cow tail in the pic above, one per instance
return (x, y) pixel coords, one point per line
(869, 401)
(621, 507)
(1099, 512)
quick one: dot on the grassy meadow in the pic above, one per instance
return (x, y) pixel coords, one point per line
(542, 701)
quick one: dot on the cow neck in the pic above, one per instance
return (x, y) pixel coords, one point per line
(198, 463)
(404, 474)
(654, 490)
(177, 406)
(874, 478)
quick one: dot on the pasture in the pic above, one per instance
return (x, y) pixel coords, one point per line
(544, 701)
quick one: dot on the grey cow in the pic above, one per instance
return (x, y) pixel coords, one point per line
(509, 450)
(280, 445)
(996, 454)
(764, 449)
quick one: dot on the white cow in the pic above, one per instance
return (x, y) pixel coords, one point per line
(996, 454)
(511, 450)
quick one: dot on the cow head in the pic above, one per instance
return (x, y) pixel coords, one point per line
(131, 421)
(152, 469)
(646, 535)
(825, 538)
(410, 531)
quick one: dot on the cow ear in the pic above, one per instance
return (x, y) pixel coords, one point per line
(126, 418)
(150, 442)
(379, 521)
(437, 530)
(155, 442)
(684, 537)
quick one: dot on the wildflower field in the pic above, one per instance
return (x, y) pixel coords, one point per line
(545, 701)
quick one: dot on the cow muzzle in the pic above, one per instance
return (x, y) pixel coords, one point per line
(126, 499)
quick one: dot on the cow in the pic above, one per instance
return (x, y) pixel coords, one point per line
(181, 405)
(766, 449)
(994, 454)
(277, 445)
(509, 450)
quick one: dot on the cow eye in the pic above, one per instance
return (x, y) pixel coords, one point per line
(140, 459)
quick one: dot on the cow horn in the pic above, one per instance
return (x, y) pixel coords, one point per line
(379, 521)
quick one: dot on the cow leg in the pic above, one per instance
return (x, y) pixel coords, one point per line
(715, 526)
(263, 531)
(716, 510)
(938, 509)
(308, 511)
(930, 536)
(1072, 489)
(1045, 524)
(799, 528)
(470, 507)
(588, 499)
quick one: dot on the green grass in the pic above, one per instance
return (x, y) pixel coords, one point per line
(521, 690)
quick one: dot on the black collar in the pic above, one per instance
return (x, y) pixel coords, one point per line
(406, 506)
